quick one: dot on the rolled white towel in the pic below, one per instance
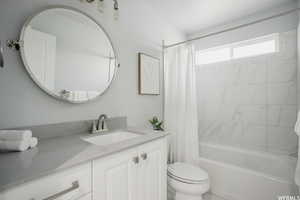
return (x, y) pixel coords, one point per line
(15, 134)
(14, 145)
(33, 142)
(92, 94)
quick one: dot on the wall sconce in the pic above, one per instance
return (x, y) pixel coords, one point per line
(11, 44)
(101, 6)
(14, 44)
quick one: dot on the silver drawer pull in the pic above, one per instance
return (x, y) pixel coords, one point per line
(144, 156)
(136, 160)
(75, 185)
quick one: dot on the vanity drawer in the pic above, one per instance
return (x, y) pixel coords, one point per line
(86, 197)
(70, 184)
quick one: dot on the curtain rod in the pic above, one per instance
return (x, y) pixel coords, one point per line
(231, 29)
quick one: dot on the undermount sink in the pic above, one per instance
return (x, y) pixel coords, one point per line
(111, 138)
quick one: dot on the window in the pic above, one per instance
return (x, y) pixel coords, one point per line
(255, 47)
(212, 56)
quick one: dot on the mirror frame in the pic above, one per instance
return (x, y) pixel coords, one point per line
(37, 82)
(1, 56)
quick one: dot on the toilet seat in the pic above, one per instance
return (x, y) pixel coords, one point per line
(187, 173)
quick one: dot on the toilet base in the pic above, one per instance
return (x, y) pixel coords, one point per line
(181, 196)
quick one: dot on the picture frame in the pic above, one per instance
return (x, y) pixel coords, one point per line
(149, 74)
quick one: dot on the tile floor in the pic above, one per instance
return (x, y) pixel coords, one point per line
(210, 196)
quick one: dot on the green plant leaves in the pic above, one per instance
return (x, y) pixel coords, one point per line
(156, 124)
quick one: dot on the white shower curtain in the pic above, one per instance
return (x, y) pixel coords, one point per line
(180, 114)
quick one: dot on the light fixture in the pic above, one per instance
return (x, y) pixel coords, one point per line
(116, 9)
(101, 6)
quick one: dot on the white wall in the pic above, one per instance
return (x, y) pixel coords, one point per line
(139, 29)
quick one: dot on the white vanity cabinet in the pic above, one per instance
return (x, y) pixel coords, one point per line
(138, 173)
(71, 184)
(135, 174)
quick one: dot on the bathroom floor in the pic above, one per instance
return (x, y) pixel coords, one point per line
(210, 196)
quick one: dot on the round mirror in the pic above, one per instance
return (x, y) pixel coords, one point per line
(68, 54)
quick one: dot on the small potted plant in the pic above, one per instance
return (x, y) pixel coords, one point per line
(156, 124)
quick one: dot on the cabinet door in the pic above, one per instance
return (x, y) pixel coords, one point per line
(152, 177)
(114, 178)
(86, 197)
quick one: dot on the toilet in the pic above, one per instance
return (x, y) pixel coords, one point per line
(187, 182)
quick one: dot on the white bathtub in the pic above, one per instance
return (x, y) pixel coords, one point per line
(238, 174)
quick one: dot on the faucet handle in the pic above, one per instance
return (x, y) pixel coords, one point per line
(94, 127)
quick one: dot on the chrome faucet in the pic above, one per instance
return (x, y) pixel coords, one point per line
(100, 125)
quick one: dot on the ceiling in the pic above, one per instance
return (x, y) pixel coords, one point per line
(191, 16)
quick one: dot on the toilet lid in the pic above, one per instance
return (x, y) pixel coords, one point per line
(187, 172)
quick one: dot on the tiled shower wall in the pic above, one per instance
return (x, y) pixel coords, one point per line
(251, 102)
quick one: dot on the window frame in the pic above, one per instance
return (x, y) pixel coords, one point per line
(271, 37)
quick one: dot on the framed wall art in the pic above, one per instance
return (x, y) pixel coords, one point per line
(149, 75)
